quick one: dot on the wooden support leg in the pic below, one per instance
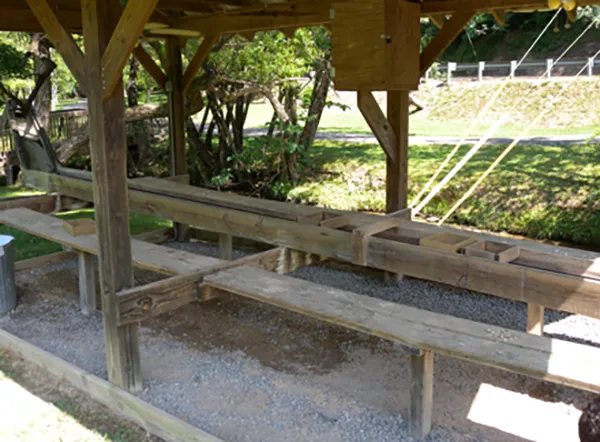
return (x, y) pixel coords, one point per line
(108, 148)
(225, 247)
(177, 120)
(535, 319)
(87, 284)
(421, 394)
(397, 172)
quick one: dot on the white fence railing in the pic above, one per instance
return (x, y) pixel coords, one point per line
(477, 70)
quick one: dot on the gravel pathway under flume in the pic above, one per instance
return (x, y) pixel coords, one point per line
(245, 371)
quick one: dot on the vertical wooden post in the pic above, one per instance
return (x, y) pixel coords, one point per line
(225, 247)
(421, 394)
(397, 173)
(108, 149)
(176, 119)
(535, 319)
(87, 284)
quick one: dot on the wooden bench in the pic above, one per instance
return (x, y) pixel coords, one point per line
(147, 256)
(562, 362)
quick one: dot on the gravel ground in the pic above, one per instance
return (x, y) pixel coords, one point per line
(245, 371)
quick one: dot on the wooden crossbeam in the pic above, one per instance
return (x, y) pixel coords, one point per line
(499, 15)
(304, 15)
(438, 20)
(141, 303)
(123, 40)
(378, 123)
(151, 67)
(198, 60)
(361, 235)
(451, 29)
(61, 39)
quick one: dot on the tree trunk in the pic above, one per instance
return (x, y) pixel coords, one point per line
(42, 64)
(317, 105)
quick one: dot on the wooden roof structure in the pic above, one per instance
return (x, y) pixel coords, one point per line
(195, 17)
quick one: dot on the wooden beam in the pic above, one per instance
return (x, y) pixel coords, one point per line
(438, 20)
(378, 123)
(151, 67)
(499, 15)
(87, 284)
(397, 171)
(198, 60)
(307, 14)
(150, 418)
(451, 29)
(535, 356)
(108, 148)
(46, 260)
(176, 120)
(141, 303)
(361, 235)
(123, 41)
(535, 319)
(421, 394)
(61, 39)
(225, 247)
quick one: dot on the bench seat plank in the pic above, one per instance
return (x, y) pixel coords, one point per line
(554, 360)
(145, 255)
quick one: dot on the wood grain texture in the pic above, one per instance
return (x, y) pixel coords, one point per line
(225, 247)
(152, 419)
(421, 394)
(377, 121)
(535, 356)
(151, 67)
(451, 29)
(396, 190)
(87, 284)
(123, 40)
(61, 39)
(535, 319)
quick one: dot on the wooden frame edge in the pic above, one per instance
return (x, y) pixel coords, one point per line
(152, 419)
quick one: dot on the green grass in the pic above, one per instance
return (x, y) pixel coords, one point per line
(543, 192)
(16, 191)
(30, 246)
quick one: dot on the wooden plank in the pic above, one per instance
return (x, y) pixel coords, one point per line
(450, 242)
(141, 303)
(61, 39)
(176, 120)
(144, 255)
(152, 419)
(198, 60)
(123, 40)
(42, 203)
(41, 261)
(87, 284)
(378, 123)
(336, 222)
(535, 319)
(499, 15)
(151, 67)
(421, 394)
(225, 247)
(108, 149)
(397, 172)
(80, 227)
(451, 29)
(535, 356)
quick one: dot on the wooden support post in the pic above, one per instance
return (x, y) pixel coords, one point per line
(176, 119)
(87, 284)
(421, 394)
(397, 172)
(225, 247)
(108, 149)
(535, 319)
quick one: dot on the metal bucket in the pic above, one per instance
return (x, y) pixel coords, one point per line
(8, 290)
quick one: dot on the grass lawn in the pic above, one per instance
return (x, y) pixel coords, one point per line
(543, 192)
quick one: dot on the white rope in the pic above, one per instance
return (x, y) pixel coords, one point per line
(511, 146)
(501, 121)
(477, 120)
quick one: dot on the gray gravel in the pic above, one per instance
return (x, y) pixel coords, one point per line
(245, 371)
